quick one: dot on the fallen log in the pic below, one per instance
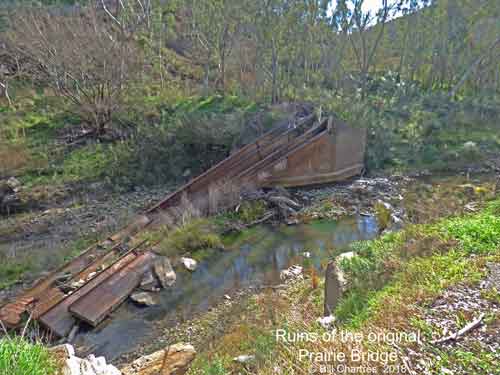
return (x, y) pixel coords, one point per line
(462, 332)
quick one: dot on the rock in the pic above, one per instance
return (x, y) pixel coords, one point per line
(470, 146)
(149, 283)
(326, 321)
(306, 254)
(63, 351)
(189, 263)
(227, 297)
(164, 272)
(174, 360)
(291, 273)
(335, 282)
(143, 298)
(72, 365)
(245, 358)
(14, 184)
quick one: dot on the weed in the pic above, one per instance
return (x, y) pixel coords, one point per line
(195, 235)
(19, 357)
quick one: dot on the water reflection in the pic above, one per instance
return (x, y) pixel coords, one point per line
(252, 260)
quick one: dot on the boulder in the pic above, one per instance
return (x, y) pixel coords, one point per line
(149, 282)
(164, 272)
(189, 263)
(335, 283)
(173, 360)
(143, 298)
(14, 184)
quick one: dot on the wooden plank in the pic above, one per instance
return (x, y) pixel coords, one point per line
(58, 319)
(96, 305)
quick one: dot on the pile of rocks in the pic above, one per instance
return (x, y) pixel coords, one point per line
(161, 275)
(70, 364)
(173, 360)
(357, 197)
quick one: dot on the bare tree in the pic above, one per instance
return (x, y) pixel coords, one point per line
(87, 56)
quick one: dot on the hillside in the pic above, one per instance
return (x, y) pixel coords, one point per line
(219, 187)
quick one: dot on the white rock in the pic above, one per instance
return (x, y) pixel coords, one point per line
(143, 298)
(189, 263)
(326, 321)
(164, 272)
(306, 254)
(293, 272)
(227, 297)
(470, 145)
(72, 366)
(244, 358)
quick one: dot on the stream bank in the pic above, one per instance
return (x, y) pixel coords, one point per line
(212, 298)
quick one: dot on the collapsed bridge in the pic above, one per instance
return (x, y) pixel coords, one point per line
(309, 151)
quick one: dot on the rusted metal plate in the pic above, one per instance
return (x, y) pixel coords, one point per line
(103, 299)
(236, 163)
(58, 319)
(329, 156)
(43, 292)
(11, 314)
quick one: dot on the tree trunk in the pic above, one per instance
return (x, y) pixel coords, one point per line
(274, 89)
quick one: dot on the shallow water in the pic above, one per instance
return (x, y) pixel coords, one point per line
(254, 258)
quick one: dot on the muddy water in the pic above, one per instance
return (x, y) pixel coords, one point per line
(254, 258)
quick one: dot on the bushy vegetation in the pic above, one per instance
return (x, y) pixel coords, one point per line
(20, 357)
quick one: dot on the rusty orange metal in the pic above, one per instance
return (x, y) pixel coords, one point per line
(309, 152)
(58, 319)
(94, 306)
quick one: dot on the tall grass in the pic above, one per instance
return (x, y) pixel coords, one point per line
(20, 357)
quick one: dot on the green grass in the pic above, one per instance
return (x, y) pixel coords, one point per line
(427, 257)
(12, 271)
(19, 357)
(195, 236)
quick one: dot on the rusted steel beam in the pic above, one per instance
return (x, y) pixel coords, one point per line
(58, 319)
(97, 304)
(11, 313)
(235, 163)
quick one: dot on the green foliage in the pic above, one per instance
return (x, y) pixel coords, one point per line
(19, 357)
(212, 367)
(192, 237)
(11, 271)
(383, 215)
(386, 266)
(251, 211)
(479, 234)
